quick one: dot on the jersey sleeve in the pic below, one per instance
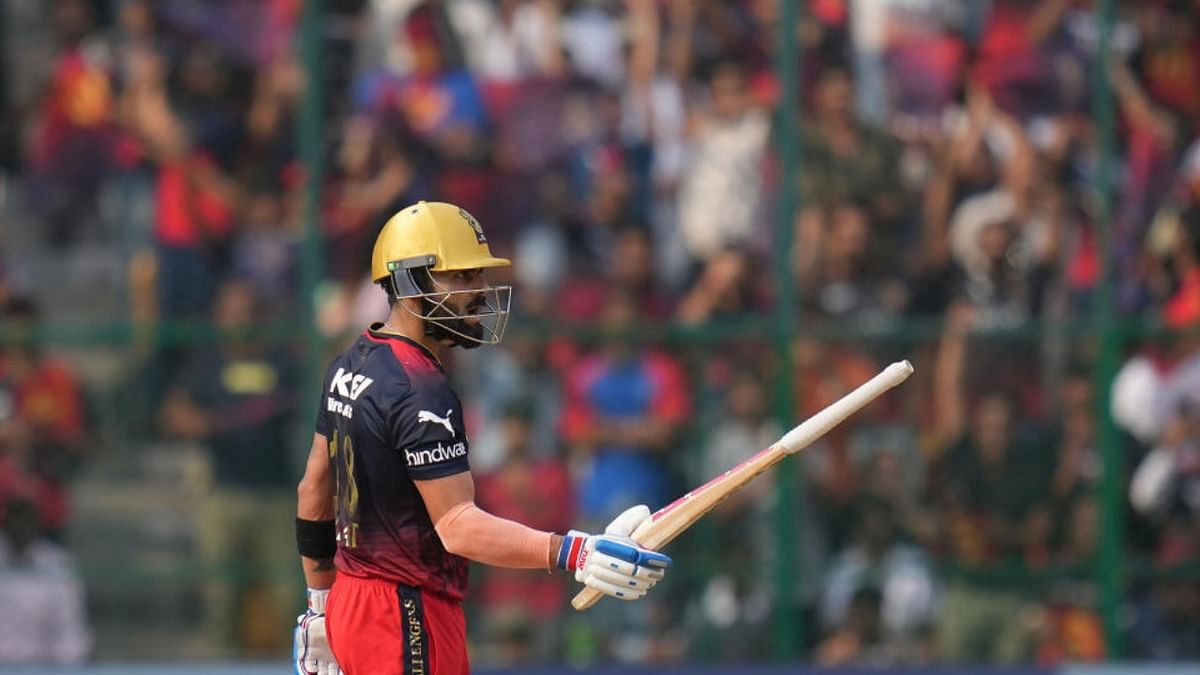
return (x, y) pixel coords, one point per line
(429, 431)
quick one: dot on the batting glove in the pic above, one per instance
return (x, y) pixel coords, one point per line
(613, 563)
(310, 646)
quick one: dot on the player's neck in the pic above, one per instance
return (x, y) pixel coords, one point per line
(409, 327)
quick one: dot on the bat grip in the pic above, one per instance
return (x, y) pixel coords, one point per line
(586, 598)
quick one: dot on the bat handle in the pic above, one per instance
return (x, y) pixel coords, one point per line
(586, 598)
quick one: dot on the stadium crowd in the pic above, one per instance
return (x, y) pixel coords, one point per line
(952, 182)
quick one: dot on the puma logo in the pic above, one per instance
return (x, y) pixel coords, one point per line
(426, 416)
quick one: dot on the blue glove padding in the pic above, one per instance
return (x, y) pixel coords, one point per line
(310, 646)
(613, 563)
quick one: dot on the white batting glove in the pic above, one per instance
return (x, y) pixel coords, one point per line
(612, 563)
(310, 646)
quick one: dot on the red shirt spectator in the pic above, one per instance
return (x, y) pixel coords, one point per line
(47, 404)
(539, 494)
(190, 206)
(78, 104)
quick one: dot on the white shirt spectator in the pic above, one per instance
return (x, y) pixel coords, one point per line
(1165, 473)
(43, 621)
(657, 115)
(1137, 389)
(721, 193)
(379, 48)
(592, 38)
(504, 51)
(1181, 388)
(903, 577)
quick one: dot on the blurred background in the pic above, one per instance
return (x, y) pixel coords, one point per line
(723, 215)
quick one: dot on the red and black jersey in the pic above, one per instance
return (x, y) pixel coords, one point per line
(391, 418)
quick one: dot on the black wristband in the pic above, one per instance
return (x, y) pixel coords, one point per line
(316, 539)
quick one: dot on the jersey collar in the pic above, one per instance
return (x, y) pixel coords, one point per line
(376, 330)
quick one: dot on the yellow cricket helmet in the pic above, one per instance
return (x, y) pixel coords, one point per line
(436, 235)
(430, 237)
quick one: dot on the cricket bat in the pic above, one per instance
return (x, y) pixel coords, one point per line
(671, 520)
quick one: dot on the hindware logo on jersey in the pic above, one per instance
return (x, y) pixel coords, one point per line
(436, 454)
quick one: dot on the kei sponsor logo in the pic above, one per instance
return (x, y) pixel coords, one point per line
(349, 385)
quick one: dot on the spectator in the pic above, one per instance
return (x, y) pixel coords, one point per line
(542, 250)
(1166, 484)
(736, 598)
(519, 374)
(727, 288)
(1174, 239)
(1077, 474)
(846, 161)
(591, 36)
(824, 373)
(908, 57)
(75, 134)
(9, 293)
(48, 418)
(372, 180)
(1068, 630)
(630, 272)
(266, 252)
(719, 198)
(14, 449)
(1010, 59)
(993, 514)
(1164, 623)
(858, 640)
(611, 203)
(899, 571)
(992, 491)
(840, 266)
(237, 398)
(45, 620)
(1164, 488)
(515, 40)
(195, 200)
(894, 473)
(438, 102)
(539, 492)
(625, 403)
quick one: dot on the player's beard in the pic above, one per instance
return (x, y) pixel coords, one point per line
(449, 325)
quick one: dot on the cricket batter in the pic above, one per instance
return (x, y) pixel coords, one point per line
(387, 518)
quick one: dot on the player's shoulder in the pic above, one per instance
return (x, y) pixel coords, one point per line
(397, 363)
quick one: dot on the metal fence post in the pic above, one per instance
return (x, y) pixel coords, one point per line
(1110, 562)
(789, 628)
